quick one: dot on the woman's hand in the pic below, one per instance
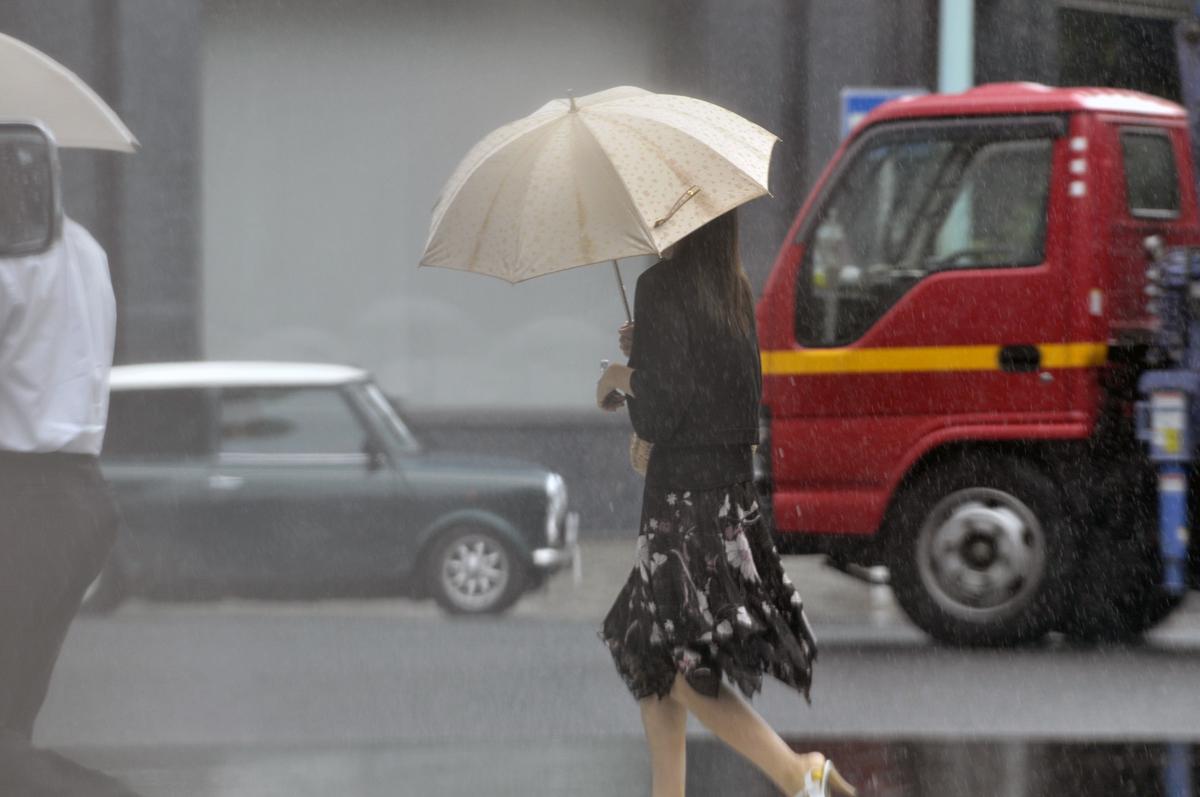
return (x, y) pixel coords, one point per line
(613, 382)
(625, 337)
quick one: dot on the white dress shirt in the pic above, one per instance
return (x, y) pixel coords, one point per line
(57, 327)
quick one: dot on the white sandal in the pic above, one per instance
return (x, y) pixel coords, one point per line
(826, 777)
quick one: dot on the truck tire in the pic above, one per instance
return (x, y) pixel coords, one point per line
(980, 551)
(473, 570)
(1118, 596)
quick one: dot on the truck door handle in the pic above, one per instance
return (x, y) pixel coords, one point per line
(225, 483)
(1020, 359)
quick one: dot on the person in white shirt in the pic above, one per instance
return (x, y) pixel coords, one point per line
(57, 325)
(58, 520)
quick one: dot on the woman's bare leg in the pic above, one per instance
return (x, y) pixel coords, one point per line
(739, 726)
(665, 721)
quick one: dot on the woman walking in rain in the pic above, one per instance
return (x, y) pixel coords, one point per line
(708, 599)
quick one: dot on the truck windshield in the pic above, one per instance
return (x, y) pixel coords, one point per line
(908, 207)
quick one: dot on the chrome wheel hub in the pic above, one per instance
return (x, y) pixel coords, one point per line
(475, 572)
(981, 553)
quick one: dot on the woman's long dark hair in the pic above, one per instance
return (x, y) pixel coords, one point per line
(711, 257)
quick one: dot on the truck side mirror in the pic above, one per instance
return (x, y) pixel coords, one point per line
(30, 205)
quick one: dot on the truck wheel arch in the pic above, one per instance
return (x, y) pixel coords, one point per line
(912, 525)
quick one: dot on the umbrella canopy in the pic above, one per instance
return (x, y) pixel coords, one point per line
(619, 173)
(34, 86)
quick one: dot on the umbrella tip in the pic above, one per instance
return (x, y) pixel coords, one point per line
(571, 97)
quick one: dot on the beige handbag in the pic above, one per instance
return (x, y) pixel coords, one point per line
(639, 453)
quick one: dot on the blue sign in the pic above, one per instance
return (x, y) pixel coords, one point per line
(858, 102)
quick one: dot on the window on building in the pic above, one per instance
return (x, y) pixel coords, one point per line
(1151, 180)
(1108, 46)
(286, 421)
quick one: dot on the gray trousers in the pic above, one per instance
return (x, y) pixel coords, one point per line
(58, 523)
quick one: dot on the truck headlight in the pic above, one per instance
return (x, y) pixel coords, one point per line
(556, 506)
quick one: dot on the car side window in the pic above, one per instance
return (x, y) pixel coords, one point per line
(289, 421)
(1151, 179)
(158, 425)
(908, 208)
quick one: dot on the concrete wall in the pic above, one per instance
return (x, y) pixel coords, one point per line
(329, 130)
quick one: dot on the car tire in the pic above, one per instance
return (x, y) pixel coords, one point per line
(106, 592)
(1118, 595)
(474, 570)
(978, 552)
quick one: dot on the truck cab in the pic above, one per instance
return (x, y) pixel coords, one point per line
(951, 338)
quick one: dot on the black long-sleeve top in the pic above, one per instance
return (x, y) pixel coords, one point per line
(696, 385)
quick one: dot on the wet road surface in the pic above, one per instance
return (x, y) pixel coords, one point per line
(258, 699)
(618, 767)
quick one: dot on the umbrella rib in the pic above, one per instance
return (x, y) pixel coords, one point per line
(637, 213)
(685, 133)
(637, 110)
(683, 178)
(525, 193)
(447, 200)
(537, 139)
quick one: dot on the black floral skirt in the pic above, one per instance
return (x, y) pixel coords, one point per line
(708, 598)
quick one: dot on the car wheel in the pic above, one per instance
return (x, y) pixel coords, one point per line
(1118, 594)
(106, 592)
(977, 552)
(475, 571)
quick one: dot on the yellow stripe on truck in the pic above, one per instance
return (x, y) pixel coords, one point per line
(922, 359)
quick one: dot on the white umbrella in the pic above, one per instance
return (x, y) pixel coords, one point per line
(620, 173)
(33, 86)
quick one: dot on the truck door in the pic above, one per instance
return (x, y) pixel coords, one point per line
(929, 297)
(1146, 197)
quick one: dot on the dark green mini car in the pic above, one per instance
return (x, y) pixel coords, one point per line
(298, 481)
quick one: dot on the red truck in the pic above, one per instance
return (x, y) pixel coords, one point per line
(952, 337)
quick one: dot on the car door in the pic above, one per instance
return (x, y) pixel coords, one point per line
(926, 300)
(157, 453)
(302, 500)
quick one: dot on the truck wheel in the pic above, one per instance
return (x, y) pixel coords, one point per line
(472, 570)
(977, 552)
(1118, 594)
(106, 592)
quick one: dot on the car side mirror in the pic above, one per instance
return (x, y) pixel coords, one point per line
(30, 204)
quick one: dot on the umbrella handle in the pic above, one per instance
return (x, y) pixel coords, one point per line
(621, 285)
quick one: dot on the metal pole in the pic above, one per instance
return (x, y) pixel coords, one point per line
(621, 285)
(956, 45)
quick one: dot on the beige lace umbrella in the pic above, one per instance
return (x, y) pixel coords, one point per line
(33, 86)
(619, 173)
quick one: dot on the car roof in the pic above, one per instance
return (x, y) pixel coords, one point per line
(156, 376)
(1024, 98)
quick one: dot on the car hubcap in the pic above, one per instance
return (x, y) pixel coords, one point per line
(475, 572)
(981, 554)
